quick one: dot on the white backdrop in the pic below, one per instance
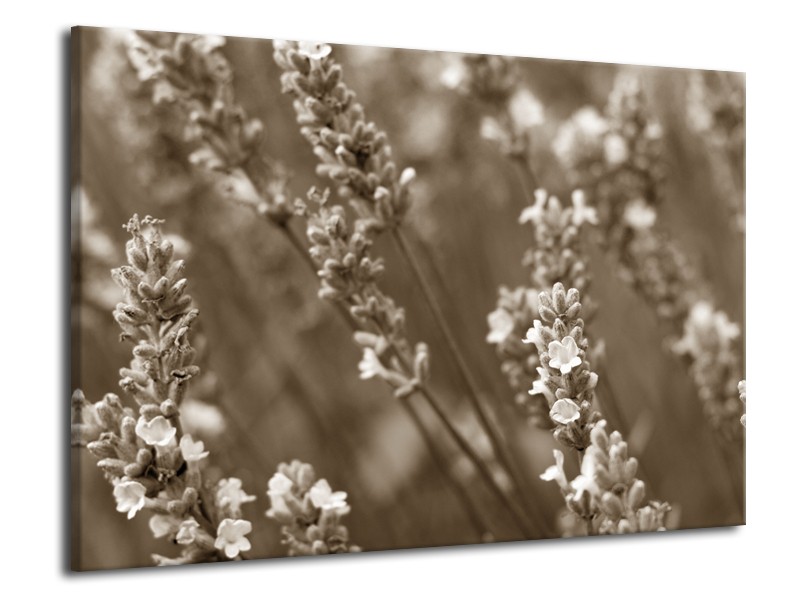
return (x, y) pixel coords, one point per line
(757, 558)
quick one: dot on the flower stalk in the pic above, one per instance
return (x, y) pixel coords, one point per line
(356, 156)
(192, 74)
(148, 459)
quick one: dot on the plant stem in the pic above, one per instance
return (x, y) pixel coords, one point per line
(419, 424)
(527, 177)
(473, 394)
(463, 445)
(436, 455)
(475, 517)
(589, 519)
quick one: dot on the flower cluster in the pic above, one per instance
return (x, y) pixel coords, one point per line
(148, 460)
(349, 276)
(607, 495)
(353, 153)
(512, 109)
(708, 343)
(566, 379)
(616, 157)
(557, 255)
(623, 171)
(715, 110)
(715, 107)
(309, 511)
(190, 74)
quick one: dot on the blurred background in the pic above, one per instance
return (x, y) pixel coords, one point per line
(280, 378)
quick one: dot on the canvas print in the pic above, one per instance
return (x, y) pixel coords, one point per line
(332, 299)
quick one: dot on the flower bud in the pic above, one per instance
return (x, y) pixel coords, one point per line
(630, 468)
(169, 409)
(190, 496)
(144, 456)
(102, 449)
(636, 494)
(612, 505)
(134, 469)
(127, 429)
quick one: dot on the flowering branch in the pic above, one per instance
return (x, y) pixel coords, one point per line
(257, 173)
(309, 511)
(618, 159)
(606, 495)
(148, 460)
(357, 157)
(511, 109)
(349, 277)
(190, 74)
(557, 255)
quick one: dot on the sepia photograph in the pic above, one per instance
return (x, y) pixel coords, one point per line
(337, 299)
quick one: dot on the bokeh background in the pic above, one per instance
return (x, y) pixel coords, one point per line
(280, 370)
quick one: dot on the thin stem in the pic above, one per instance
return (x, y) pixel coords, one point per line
(462, 443)
(526, 175)
(519, 517)
(348, 318)
(588, 519)
(438, 459)
(475, 517)
(473, 393)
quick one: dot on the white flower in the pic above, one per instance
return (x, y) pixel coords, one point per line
(129, 496)
(564, 354)
(585, 481)
(581, 212)
(580, 136)
(492, 130)
(145, 59)
(525, 109)
(556, 472)
(534, 335)
(407, 176)
(639, 215)
(208, 43)
(615, 149)
(653, 130)
(706, 330)
(202, 418)
(231, 537)
(314, 50)
(538, 387)
(161, 525)
(280, 484)
(230, 495)
(726, 330)
(187, 532)
(279, 487)
(192, 451)
(590, 122)
(534, 213)
(370, 365)
(565, 411)
(454, 74)
(501, 325)
(156, 432)
(322, 496)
